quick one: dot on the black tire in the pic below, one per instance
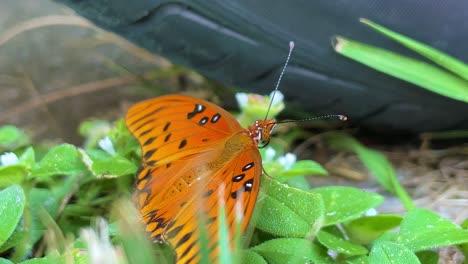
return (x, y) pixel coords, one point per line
(244, 43)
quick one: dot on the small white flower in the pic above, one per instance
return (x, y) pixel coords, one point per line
(106, 145)
(371, 212)
(100, 248)
(287, 161)
(9, 158)
(242, 100)
(278, 99)
(270, 154)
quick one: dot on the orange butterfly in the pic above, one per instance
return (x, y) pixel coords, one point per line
(195, 157)
(190, 149)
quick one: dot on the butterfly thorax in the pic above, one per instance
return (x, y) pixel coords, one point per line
(260, 130)
(235, 144)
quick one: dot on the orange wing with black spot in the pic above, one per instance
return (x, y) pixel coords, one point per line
(195, 157)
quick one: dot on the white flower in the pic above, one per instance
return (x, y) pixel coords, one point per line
(242, 100)
(287, 161)
(371, 212)
(100, 248)
(278, 99)
(9, 158)
(106, 145)
(270, 154)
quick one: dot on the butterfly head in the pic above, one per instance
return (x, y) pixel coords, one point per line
(260, 131)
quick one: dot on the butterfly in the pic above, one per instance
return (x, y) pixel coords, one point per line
(195, 156)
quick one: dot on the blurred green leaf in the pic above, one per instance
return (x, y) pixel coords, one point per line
(252, 257)
(292, 250)
(384, 252)
(444, 60)
(37, 261)
(339, 244)
(11, 137)
(375, 162)
(346, 203)
(464, 246)
(428, 257)
(12, 174)
(290, 212)
(40, 199)
(104, 164)
(60, 160)
(422, 229)
(12, 205)
(357, 260)
(5, 261)
(28, 158)
(365, 229)
(299, 182)
(304, 167)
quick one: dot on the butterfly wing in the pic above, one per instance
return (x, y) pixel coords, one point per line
(236, 186)
(190, 149)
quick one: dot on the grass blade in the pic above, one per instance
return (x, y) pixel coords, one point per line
(414, 71)
(450, 63)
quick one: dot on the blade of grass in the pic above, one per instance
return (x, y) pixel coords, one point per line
(450, 63)
(376, 163)
(414, 71)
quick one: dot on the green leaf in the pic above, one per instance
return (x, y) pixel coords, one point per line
(422, 229)
(61, 160)
(365, 229)
(299, 182)
(5, 261)
(28, 158)
(464, 246)
(357, 260)
(11, 137)
(40, 199)
(420, 73)
(383, 252)
(444, 60)
(12, 174)
(292, 250)
(375, 162)
(11, 209)
(428, 257)
(289, 212)
(346, 203)
(106, 165)
(339, 244)
(251, 257)
(37, 261)
(304, 167)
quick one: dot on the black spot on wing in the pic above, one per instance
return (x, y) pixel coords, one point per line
(238, 178)
(215, 118)
(183, 143)
(208, 193)
(248, 166)
(203, 121)
(167, 137)
(184, 239)
(150, 153)
(186, 251)
(151, 162)
(149, 141)
(248, 185)
(166, 127)
(198, 109)
(174, 232)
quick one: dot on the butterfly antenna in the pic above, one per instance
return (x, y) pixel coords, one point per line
(291, 47)
(340, 117)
